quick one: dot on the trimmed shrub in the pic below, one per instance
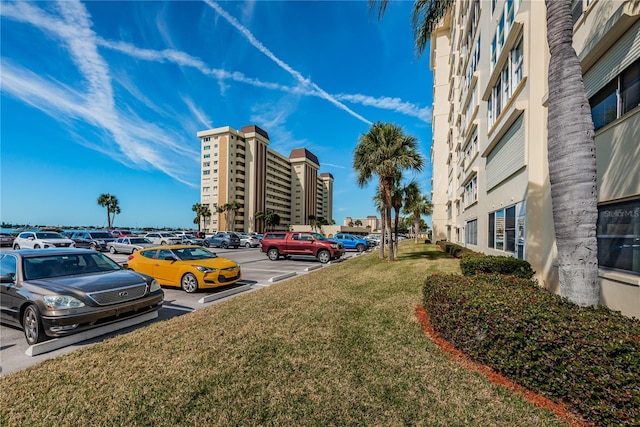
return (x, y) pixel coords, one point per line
(454, 249)
(489, 264)
(588, 358)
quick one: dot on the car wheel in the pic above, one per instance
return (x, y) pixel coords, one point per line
(16, 247)
(163, 243)
(224, 245)
(205, 244)
(189, 283)
(112, 249)
(93, 247)
(273, 254)
(32, 325)
(36, 246)
(360, 247)
(324, 256)
(247, 245)
(134, 250)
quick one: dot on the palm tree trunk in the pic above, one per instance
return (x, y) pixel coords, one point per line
(572, 162)
(387, 196)
(382, 230)
(416, 226)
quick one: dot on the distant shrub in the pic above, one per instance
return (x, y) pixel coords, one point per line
(454, 249)
(489, 264)
(588, 358)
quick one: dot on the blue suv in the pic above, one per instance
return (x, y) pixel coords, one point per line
(351, 241)
(222, 239)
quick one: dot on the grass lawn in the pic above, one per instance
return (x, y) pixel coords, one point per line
(338, 346)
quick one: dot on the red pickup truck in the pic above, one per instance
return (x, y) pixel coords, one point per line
(285, 243)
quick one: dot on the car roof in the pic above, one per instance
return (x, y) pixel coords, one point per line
(171, 247)
(31, 253)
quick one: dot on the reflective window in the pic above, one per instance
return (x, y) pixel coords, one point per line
(619, 236)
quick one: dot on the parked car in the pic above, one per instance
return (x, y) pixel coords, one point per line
(249, 241)
(351, 241)
(222, 239)
(123, 233)
(92, 239)
(41, 239)
(6, 239)
(163, 238)
(129, 245)
(186, 266)
(283, 243)
(57, 292)
(187, 239)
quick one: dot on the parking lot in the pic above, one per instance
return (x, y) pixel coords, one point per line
(257, 272)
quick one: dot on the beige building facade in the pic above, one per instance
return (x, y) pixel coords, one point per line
(490, 182)
(239, 167)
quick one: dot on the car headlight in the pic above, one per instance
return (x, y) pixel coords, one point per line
(155, 286)
(334, 246)
(206, 269)
(57, 302)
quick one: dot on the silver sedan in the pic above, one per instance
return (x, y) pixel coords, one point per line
(128, 245)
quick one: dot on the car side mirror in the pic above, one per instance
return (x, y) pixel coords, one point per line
(7, 278)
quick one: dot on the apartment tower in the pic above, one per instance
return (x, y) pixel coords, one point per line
(239, 169)
(491, 188)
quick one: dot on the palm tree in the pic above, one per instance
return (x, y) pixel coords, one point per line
(202, 211)
(312, 221)
(379, 203)
(570, 146)
(416, 204)
(220, 209)
(233, 207)
(259, 218)
(357, 223)
(383, 151)
(110, 202)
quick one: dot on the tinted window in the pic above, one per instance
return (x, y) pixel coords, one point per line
(8, 265)
(278, 236)
(101, 235)
(49, 235)
(619, 236)
(149, 254)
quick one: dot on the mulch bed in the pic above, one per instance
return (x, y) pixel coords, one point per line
(534, 398)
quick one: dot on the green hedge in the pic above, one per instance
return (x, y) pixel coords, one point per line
(454, 249)
(489, 264)
(588, 358)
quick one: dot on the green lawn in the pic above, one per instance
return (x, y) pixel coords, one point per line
(338, 346)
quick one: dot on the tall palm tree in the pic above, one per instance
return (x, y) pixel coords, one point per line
(570, 146)
(259, 218)
(110, 202)
(572, 162)
(378, 201)
(220, 209)
(383, 151)
(416, 204)
(233, 207)
(202, 212)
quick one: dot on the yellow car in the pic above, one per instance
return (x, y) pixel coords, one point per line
(190, 267)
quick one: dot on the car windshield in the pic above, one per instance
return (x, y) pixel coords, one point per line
(43, 267)
(318, 236)
(138, 240)
(101, 235)
(49, 235)
(189, 254)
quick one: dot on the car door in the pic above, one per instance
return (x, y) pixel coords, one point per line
(82, 239)
(11, 299)
(165, 268)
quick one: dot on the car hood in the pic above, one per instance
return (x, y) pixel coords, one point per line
(219, 263)
(90, 282)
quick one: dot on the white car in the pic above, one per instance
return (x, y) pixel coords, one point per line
(163, 238)
(249, 241)
(42, 239)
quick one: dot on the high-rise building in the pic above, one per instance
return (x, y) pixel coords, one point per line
(491, 189)
(239, 171)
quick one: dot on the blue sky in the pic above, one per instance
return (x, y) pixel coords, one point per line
(107, 97)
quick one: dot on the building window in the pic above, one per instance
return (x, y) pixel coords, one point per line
(215, 171)
(206, 164)
(206, 172)
(206, 156)
(205, 189)
(206, 139)
(617, 98)
(510, 78)
(471, 232)
(505, 22)
(506, 229)
(618, 235)
(576, 10)
(471, 192)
